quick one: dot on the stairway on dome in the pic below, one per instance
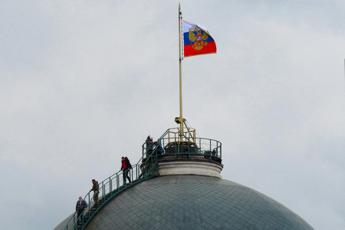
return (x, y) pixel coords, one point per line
(174, 153)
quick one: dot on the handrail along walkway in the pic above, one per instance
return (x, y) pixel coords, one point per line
(111, 187)
(146, 168)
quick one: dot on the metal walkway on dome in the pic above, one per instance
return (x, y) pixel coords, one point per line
(170, 146)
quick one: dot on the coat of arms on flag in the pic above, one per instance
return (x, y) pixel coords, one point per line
(196, 40)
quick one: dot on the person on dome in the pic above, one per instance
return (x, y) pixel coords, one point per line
(128, 163)
(125, 167)
(149, 145)
(158, 147)
(95, 189)
(80, 206)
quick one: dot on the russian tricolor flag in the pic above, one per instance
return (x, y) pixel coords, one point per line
(196, 40)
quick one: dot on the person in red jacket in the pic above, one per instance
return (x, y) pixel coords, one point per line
(125, 167)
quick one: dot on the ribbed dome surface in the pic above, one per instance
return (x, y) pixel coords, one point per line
(188, 202)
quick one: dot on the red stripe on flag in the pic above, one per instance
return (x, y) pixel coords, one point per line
(209, 48)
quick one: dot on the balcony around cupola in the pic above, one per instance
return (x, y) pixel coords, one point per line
(179, 153)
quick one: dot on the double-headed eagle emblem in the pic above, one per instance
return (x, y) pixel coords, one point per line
(198, 37)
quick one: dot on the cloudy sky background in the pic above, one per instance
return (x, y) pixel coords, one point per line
(83, 82)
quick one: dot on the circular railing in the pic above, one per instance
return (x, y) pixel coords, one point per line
(171, 143)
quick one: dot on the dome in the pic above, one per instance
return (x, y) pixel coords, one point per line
(194, 202)
(177, 186)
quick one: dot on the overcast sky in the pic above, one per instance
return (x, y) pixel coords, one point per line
(83, 82)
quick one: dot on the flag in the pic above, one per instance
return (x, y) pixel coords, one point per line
(196, 40)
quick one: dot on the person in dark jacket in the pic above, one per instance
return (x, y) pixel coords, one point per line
(149, 145)
(158, 147)
(80, 206)
(95, 189)
(125, 167)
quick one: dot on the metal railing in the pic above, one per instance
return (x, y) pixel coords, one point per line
(173, 134)
(201, 146)
(144, 169)
(169, 144)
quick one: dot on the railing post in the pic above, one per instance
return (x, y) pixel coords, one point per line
(89, 199)
(110, 185)
(103, 190)
(220, 150)
(74, 222)
(117, 181)
(142, 151)
(131, 174)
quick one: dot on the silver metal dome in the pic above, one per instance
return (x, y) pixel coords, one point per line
(194, 202)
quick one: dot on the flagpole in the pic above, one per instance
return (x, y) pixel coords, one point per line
(181, 119)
